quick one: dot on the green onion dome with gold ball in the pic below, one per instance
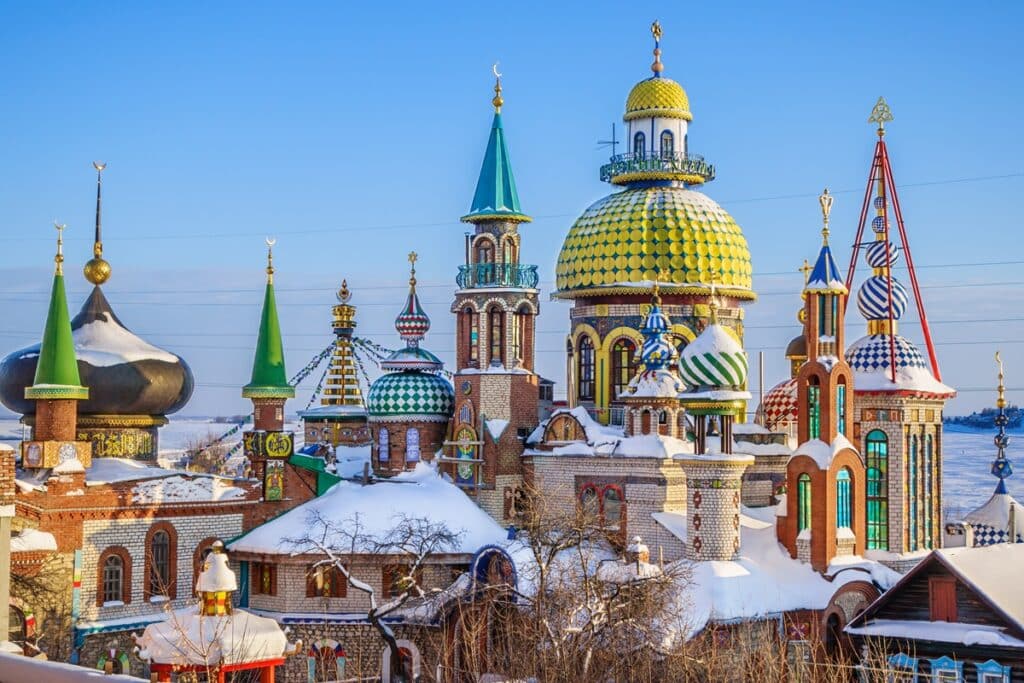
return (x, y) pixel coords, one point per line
(658, 228)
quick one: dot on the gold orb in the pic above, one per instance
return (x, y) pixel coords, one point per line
(97, 271)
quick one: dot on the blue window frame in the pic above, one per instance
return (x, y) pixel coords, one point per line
(639, 140)
(841, 407)
(992, 672)
(668, 144)
(946, 670)
(903, 669)
(844, 503)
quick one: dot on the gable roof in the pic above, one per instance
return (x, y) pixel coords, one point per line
(991, 572)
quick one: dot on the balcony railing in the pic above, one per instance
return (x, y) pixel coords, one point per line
(668, 162)
(497, 275)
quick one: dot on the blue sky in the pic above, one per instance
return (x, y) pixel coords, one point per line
(353, 132)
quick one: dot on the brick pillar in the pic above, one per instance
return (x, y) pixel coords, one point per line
(6, 514)
(56, 420)
(713, 505)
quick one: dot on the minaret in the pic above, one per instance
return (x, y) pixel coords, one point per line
(97, 270)
(825, 478)
(268, 446)
(496, 306)
(340, 419)
(900, 395)
(57, 388)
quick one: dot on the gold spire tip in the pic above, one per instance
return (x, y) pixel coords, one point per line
(657, 67)
(1001, 399)
(59, 257)
(825, 200)
(270, 259)
(344, 294)
(662, 274)
(413, 257)
(881, 114)
(497, 101)
(97, 270)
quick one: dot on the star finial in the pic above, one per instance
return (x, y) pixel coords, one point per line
(497, 101)
(59, 258)
(825, 201)
(657, 67)
(881, 114)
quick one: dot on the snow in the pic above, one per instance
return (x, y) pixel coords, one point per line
(69, 466)
(349, 460)
(713, 340)
(102, 343)
(494, 370)
(187, 637)
(656, 384)
(804, 535)
(182, 489)
(993, 571)
(496, 427)
(749, 428)
(717, 395)
(113, 470)
(713, 457)
(18, 669)
(216, 575)
(30, 540)
(378, 506)
(939, 631)
(763, 581)
(822, 453)
(845, 533)
(998, 512)
(332, 411)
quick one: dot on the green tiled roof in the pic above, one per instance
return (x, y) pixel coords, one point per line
(496, 197)
(57, 370)
(268, 375)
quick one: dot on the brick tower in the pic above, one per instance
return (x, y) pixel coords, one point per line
(57, 388)
(825, 477)
(496, 306)
(267, 445)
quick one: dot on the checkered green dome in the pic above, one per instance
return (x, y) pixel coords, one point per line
(411, 394)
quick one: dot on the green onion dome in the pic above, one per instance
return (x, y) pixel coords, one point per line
(714, 360)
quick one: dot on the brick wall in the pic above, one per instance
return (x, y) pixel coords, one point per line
(431, 435)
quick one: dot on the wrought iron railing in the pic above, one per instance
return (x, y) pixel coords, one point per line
(666, 162)
(497, 275)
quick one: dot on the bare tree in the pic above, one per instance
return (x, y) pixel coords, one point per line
(406, 545)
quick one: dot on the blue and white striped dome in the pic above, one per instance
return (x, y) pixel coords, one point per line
(876, 254)
(657, 351)
(713, 360)
(873, 298)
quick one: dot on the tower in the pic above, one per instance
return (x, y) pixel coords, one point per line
(409, 406)
(899, 396)
(57, 388)
(496, 307)
(267, 445)
(340, 419)
(825, 477)
(658, 221)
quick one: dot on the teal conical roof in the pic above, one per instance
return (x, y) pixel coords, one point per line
(57, 370)
(269, 379)
(496, 198)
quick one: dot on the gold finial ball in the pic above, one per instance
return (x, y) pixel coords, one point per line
(97, 270)
(497, 101)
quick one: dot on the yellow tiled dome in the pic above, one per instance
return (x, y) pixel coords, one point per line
(621, 242)
(658, 97)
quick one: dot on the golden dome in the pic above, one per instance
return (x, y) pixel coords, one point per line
(621, 242)
(657, 97)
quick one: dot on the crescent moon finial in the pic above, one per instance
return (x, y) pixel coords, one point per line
(271, 241)
(494, 69)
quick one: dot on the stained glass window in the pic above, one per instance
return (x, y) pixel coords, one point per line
(473, 330)
(876, 450)
(912, 492)
(497, 334)
(841, 407)
(586, 369)
(814, 409)
(844, 503)
(623, 353)
(383, 445)
(803, 502)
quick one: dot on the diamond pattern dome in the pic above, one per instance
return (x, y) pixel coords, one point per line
(404, 395)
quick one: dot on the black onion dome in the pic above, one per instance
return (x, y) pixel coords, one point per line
(125, 374)
(797, 347)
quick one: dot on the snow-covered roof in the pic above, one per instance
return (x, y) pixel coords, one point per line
(17, 667)
(997, 511)
(938, 631)
(994, 572)
(114, 470)
(29, 540)
(870, 358)
(661, 383)
(216, 574)
(823, 453)
(496, 427)
(185, 489)
(764, 580)
(321, 412)
(379, 506)
(187, 637)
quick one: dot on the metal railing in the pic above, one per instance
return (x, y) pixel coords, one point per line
(665, 162)
(497, 275)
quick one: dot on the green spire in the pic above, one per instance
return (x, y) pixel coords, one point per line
(268, 375)
(496, 198)
(57, 368)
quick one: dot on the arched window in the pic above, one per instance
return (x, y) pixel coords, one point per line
(639, 142)
(519, 331)
(510, 250)
(412, 445)
(383, 445)
(912, 492)
(611, 508)
(803, 502)
(466, 413)
(841, 406)
(876, 456)
(590, 502)
(325, 661)
(472, 334)
(484, 251)
(17, 628)
(623, 365)
(668, 142)
(813, 408)
(160, 574)
(113, 579)
(844, 503)
(496, 330)
(585, 369)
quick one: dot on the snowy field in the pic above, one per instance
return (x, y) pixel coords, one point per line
(966, 480)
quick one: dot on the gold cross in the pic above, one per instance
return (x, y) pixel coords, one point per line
(806, 269)
(880, 114)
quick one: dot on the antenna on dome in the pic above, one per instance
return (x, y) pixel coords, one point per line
(609, 143)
